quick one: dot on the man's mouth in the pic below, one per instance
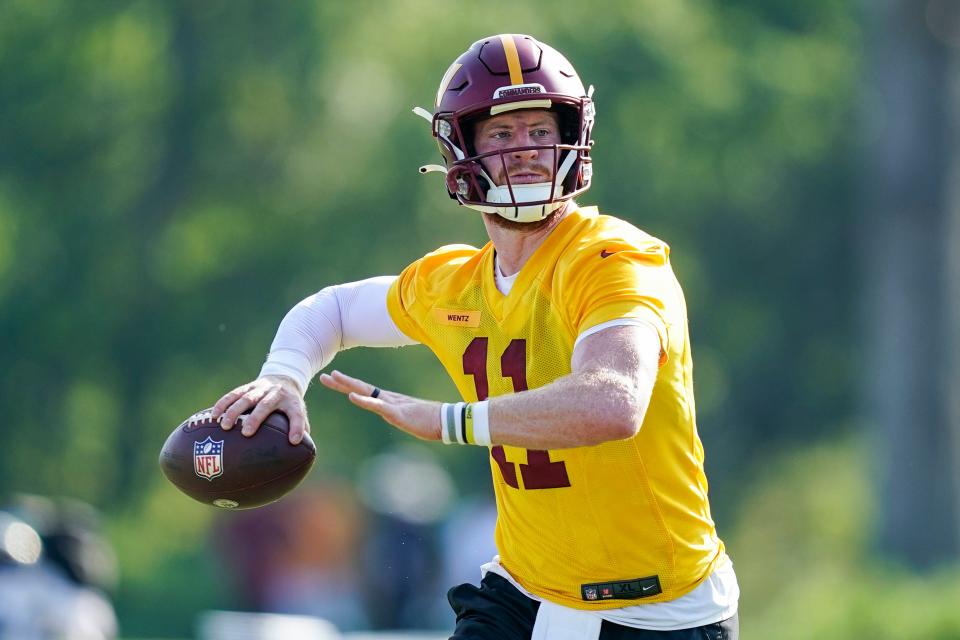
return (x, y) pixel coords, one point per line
(527, 177)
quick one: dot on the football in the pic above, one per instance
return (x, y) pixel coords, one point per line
(229, 470)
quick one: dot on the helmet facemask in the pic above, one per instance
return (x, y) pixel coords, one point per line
(474, 187)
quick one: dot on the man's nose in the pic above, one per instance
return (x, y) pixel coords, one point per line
(525, 154)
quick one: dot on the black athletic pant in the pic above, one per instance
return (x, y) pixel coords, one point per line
(497, 611)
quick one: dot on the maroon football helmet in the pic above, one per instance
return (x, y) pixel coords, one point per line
(498, 74)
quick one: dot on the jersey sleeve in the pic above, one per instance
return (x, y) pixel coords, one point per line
(414, 292)
(608, 280)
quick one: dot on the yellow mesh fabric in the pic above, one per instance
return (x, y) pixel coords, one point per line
(618, 511)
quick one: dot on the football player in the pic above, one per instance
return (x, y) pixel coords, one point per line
(566, 336)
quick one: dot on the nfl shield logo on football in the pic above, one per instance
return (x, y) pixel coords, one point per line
(590, 593)
(208, 458)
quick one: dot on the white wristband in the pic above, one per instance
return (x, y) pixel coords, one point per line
(451, 423)
(465, 423)
(480, 434)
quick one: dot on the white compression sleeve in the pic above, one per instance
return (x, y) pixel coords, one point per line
(336, 318)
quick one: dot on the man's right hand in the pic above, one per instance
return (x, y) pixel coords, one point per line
(264, 396)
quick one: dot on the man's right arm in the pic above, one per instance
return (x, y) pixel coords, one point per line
(336, 318)
(312, 333)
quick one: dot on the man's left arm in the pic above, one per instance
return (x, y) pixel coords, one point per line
(605, 397)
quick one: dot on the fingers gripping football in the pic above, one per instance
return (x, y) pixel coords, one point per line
(419, 418)
(262, 397)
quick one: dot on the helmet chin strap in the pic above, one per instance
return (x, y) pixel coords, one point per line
(534, 192)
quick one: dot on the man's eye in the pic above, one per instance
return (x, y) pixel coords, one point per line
(501, 135)
(541, 133)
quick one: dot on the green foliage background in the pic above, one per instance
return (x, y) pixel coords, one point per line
(175, 175)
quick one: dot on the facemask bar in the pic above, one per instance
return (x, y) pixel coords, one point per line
(473, 167)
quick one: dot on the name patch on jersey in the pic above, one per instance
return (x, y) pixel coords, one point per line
(457, 317)
(623, 590)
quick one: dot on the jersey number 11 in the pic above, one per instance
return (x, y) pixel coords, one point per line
(539, 472)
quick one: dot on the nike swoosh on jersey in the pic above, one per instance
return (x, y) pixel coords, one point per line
(606, 254)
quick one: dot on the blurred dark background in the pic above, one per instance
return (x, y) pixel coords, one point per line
(175, 175)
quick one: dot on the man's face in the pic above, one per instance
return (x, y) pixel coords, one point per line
(519, 128)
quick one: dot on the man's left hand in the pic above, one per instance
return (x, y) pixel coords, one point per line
(420, 418)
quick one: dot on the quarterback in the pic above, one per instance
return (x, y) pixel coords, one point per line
(566, 336)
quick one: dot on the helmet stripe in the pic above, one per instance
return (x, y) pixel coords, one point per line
(447, 79)
(513, 59)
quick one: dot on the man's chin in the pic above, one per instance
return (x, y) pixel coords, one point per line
(527, 227)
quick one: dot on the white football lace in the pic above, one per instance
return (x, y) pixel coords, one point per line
(198, 417)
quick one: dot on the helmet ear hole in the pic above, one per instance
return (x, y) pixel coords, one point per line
(467, 181)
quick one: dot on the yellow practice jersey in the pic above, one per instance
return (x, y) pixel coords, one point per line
(606, 526)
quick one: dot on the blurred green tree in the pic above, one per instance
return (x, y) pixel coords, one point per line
(911, 234)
